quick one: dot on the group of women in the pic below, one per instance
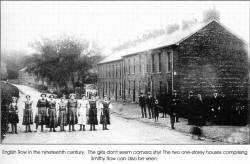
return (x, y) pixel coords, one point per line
(52, 113)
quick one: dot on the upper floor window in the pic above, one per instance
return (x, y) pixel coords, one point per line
(153, 63)
(140, 63)
(159, 64)
(134, 66)
(169, 61)
(128, 66)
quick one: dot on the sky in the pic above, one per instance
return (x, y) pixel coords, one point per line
(107, 23)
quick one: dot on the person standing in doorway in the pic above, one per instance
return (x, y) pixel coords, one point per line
(28, 114)
(142, 103)
(13, 115)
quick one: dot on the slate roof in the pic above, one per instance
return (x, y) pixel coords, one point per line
(163, 41)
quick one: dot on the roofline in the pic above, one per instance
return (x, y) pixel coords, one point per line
(109, 61)
(182, 40)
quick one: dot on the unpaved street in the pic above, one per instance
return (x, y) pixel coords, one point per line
(122, 131)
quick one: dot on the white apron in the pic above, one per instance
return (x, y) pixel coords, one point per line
(82, 112)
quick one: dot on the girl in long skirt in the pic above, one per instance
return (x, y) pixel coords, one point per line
(28, 114)
(83, 106)
(92, 113)
(62, 119)
(52, 114)
(72, 112)
(105, 113)
(42, 106)
(13, 115)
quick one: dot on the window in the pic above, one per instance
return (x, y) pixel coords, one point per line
(140, 63)
(153, 63)
(159, 62)
(160, 87)
(134, 66)
(128, 66)
(128, 87)
(169, 61)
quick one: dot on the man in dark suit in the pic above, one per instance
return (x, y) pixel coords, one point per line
(142, 103)
(150, 104)
(191, 103)
(215, 108)
(175, 100)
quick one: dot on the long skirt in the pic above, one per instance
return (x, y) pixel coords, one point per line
(72, 116)
(62, 119)
(40, 118)
(82, 119)
(13, 118)
(92, 117)
(52, 118)
(105, 116)
(28, 117)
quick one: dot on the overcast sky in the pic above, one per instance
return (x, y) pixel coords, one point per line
(108, 23)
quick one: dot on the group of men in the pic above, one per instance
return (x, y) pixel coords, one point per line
(213, 110)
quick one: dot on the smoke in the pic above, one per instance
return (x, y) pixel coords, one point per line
(172, 28)
(211, 14)
(188, 23)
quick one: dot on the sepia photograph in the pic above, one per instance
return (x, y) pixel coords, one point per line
(125, 72)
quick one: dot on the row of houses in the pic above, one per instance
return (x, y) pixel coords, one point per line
(203, 58)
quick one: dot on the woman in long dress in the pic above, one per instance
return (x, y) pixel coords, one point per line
(52, 113)
(72, 112)
(13, 115)
(83, 106)
(105, 113)
(62, 119)
(92, 113)
(42, 105)
(28, 114)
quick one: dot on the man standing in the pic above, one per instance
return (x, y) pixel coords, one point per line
(150, 102)
(191, 107)
(173, 108)
(142, 103)
(215, 107)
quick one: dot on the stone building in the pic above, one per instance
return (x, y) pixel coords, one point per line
(203, 58)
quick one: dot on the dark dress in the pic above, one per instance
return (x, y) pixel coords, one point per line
(28, 113)
(62, 119)
(72, 112)
(40, 118)
(92, 114)
(52, 114)
(13, 116)
(105, 114)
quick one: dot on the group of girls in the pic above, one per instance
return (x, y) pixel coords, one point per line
(52, 113)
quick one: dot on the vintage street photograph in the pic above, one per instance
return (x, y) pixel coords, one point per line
(125, 72)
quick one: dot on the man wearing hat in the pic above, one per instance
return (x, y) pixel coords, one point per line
(142, 103)
(150, 103)
(191, 103)
(72, 112)
(215, 107)
(42, 105)
(173, 108)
